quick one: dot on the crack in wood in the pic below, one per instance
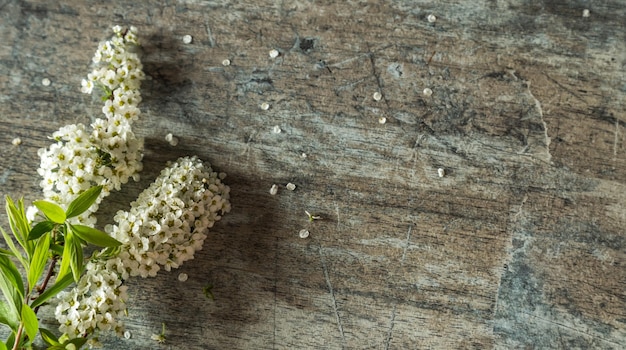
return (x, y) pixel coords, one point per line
(391, 324)
(334, 299)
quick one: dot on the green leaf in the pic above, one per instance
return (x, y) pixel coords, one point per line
(108, 253)
(51, 210)
(49, 337)
(65, 341)
(9, 270)
(7, 317)
(94, 236)
(66, 257)
(8, 285)
(14, 249)
(3, 346)
(54, 290)
(19, 223)
(83, 202)
(72, 259)
(38, 263)
(56, 347)
(31, 324)
(79, 342)
(77, 257)
(56, 249)
(10, 242)
(6, 252)
(41, 228)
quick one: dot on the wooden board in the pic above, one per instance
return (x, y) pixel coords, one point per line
(520, 245)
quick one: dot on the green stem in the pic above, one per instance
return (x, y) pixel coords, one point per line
(20, 330)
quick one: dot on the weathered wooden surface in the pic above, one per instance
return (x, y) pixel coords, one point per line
(520, 245)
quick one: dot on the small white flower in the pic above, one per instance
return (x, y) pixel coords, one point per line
(171, 139)
(274, 189)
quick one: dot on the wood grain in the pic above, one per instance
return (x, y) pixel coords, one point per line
(520, 245)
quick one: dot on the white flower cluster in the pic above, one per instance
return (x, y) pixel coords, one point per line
(165, 226)
(95, 303)
(110, 154)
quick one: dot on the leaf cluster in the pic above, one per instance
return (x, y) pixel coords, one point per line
(49, 242)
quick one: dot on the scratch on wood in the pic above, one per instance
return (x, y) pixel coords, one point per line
(395, 305)
(246, 150)
(5, 175)
(348, 86)
(615, 142)
(593, 336)
(565, 88)
(391, 322)
(521, 206)
(543, 122)
(414, 156)
(337, 213)
(348, 60)
(208, 32)
(406, 245)
(332, 295)
(275, 289)
(376, 75)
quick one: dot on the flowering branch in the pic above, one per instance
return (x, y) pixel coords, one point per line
(165, 226)
(110, 153)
